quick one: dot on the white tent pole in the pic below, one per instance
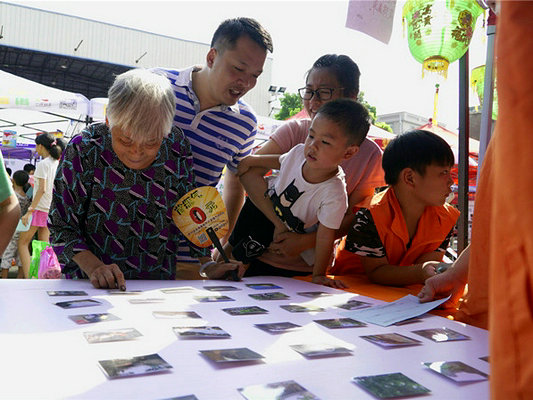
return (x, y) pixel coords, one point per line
(488, 92)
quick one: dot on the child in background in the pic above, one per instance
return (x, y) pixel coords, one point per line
(50, 149)
(404, 233)
(20, 184)
(309, 194)
(30, 169)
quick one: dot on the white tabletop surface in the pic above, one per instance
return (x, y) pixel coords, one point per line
(44, 354)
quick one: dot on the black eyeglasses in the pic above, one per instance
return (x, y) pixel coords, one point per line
(322, 93)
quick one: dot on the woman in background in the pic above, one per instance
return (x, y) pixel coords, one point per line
(50, 149)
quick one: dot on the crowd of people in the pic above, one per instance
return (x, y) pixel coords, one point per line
(105, 201)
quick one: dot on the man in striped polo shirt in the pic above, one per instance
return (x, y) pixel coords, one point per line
(219, 125)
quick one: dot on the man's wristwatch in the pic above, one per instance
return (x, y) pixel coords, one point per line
(204, 267)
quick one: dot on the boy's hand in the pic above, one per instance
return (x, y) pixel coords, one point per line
(287, 243)
(220, 269)
(429, 269)
(324, 280)
(244, 165)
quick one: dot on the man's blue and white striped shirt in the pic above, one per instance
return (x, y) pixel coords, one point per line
(220, 136)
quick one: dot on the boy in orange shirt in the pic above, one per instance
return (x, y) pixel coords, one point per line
(403, 235)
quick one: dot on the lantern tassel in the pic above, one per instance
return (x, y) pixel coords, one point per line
(435, 105)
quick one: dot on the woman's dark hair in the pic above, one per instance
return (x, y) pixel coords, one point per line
(21, 178)
(415, 149)
(345, 70)
(54, 145)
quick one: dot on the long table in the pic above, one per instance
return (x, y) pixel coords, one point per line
(44, 354)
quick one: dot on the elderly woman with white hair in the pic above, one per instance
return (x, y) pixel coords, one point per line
(111, 215)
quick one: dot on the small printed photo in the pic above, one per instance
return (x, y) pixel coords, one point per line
(484, 358)
(78, 303)
(232, 355)
(336, 323)
(278, 327)
(320, 350)
(201, 332)
(297, 308)
(457, 371)
(441, 334)
(221, 288)
(175, 314)
(263, 286)
(212, 299)
(66, 293)
(390, 386)
(119, 292)
(354, 305)
(408, 321)
(153, 300)
(245, 310)
(391, 340)
(84, 319)
(277, 391)
(113, 335)
(269, 296)
(178, 290)
(141, 365)
(314, 295)
(187, 397)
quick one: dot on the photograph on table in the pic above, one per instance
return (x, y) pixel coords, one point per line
(232, 355)
(276, 391)
(248, 310)
(269, 296)
(176, 314)
(221, 288)
(112, 335)
(441, 334)
(336, 323)
(179, 290)
(212, 299)
(295, 308)
(457, 371)
(83, 319)
(320, 350)
(391, 340)
(201, 332)
(134, 366)
(153, 300)
(66, 293)
(278, 327)
(354, 305)
(78, 303)
(263, 286)
(314, 295)
(389, 386)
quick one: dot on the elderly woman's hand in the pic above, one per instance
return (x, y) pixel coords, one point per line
(107, 276)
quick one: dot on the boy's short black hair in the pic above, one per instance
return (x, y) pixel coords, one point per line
(29, 167)
(351, 116)
(230, 30)
(415, 149)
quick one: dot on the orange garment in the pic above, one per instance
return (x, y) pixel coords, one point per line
(433, 227)
(504, 212)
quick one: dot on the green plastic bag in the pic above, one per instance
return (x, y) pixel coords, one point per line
(37, 247)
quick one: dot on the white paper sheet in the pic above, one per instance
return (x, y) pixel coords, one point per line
(387, 314)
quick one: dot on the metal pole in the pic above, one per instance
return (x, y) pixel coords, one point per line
(464, 135)
(488, 92)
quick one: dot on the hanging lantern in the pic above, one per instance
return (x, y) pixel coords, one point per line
(477, 82)
(439, 31)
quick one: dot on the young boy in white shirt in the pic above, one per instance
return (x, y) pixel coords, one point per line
(308, 194)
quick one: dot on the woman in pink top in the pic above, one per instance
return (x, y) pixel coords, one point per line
(331, 77)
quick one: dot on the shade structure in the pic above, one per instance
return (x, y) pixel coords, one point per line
(439, 31)
(477, 81)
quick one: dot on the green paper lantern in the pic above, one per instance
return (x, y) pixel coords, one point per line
(477, 82)
(439, 31)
